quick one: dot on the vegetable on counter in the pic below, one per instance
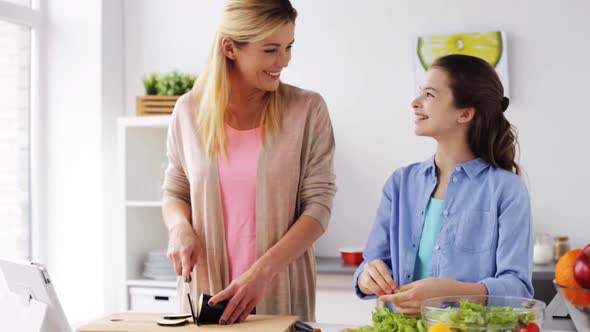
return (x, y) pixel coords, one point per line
(530, 327)
(387, 321)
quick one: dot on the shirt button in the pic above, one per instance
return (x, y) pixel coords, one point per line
(454, 179)
(446, 213)
(408, 276)
(413, 245)
(458, 169)
(437, 247)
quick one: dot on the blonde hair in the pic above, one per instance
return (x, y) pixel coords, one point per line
(243, 21)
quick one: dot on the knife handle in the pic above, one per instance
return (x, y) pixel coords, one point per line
(303, 327)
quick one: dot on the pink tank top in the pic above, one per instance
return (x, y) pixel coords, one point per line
(237, 181)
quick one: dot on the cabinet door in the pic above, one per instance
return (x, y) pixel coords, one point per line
(337, 303)
(148, 299)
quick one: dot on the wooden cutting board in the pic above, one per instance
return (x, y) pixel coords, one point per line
(142, 322)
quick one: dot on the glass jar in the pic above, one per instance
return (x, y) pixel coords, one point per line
(561, 246)
(543, 250)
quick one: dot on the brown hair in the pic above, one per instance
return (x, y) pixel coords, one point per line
(474, 83)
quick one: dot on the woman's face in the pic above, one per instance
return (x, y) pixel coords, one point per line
(436, 114)
(259, 64)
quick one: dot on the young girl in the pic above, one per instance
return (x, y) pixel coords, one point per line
(460, 222)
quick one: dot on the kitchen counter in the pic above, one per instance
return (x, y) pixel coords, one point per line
(332, 327)
(544, 272)
(135, 321)
(335, 265)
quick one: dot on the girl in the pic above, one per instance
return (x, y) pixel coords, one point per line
(460, 222)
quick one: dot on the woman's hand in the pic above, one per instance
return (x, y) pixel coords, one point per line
(375, 279)
(183, 249)
(243, 293)
(409, 297)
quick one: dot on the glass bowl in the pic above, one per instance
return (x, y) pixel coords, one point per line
(577, 296)
(482, 312)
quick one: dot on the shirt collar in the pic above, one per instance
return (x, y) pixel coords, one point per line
(427, 165)
(472, 168)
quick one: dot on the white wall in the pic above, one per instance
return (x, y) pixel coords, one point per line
(72, 104)
(112, 107)
(81, 96)
(359, 56)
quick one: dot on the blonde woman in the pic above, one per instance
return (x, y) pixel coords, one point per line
(250, 182)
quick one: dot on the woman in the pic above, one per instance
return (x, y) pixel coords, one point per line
(460, 222)
(250, 183)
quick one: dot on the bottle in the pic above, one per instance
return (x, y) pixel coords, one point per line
(561, 246)
(543, 251)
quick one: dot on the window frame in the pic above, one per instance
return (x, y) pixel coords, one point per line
(32, 18)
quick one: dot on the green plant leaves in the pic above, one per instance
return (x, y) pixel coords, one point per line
(168, 84)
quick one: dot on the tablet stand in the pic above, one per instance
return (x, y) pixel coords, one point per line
(20, 312)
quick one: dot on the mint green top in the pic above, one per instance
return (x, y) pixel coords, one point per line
(432, 220)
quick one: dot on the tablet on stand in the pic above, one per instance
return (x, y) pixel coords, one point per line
(31, 295)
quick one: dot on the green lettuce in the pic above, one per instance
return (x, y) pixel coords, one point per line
(465, 318)
(387, 321)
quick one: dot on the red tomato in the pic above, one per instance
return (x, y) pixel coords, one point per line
(530, 327)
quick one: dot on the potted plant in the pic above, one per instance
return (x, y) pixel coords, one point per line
(162, 91)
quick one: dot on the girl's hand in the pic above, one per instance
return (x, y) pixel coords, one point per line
(409, 297)
(243, 294)
(375, 279)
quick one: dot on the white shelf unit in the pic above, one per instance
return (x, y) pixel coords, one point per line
(142, 159)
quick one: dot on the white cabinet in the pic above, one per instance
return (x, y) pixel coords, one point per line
(337, 303)
(152, 299)
(141, 163)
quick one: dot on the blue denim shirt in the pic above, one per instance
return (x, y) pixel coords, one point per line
(485, 233)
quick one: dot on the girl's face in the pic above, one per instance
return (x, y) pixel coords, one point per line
(436, 114)
(258, 64)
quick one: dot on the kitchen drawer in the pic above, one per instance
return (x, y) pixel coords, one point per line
(151, 299)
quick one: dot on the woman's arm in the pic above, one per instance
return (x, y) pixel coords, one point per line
(316, 195)
(176, 208)
(182, 243)
(176, 213)
(298, 239)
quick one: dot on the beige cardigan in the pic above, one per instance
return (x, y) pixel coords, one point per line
(295, 177)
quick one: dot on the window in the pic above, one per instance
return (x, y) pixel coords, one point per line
(17, 22)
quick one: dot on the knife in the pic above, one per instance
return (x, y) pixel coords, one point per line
(190, 303)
